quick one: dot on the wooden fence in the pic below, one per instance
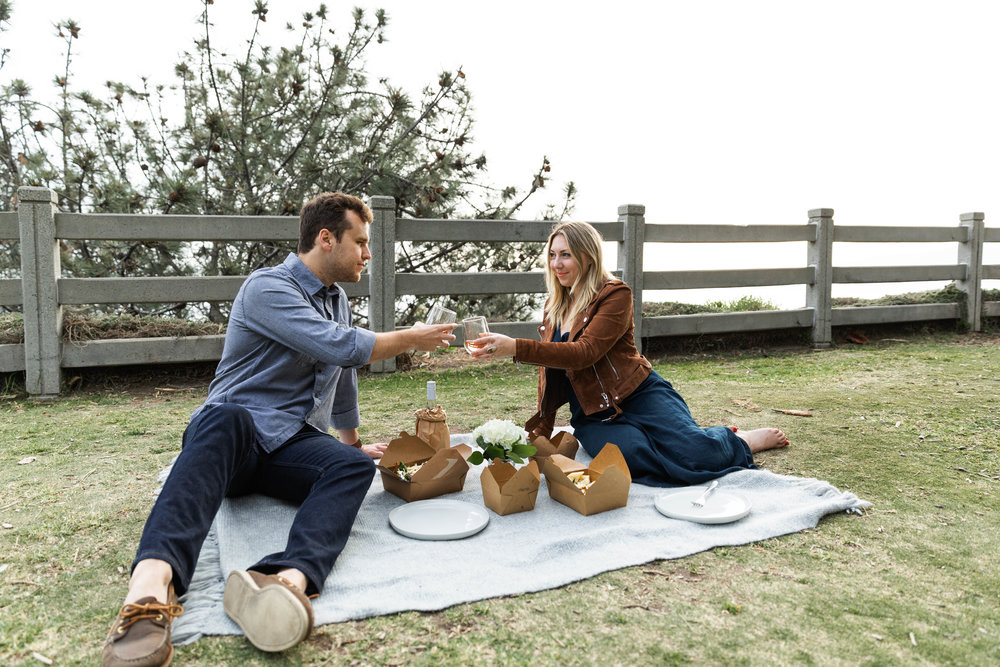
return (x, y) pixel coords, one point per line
(42, 291)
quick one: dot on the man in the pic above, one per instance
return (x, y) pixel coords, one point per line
(287, 374)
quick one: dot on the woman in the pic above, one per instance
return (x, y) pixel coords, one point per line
(588, 357)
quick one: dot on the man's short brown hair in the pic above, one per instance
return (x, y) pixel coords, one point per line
(327, 211)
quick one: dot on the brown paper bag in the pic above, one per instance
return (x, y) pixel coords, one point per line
(432, 427)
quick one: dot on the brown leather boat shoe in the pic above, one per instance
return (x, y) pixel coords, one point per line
(140, 636)
(273, 614)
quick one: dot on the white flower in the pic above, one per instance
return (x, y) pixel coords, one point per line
(500, 432)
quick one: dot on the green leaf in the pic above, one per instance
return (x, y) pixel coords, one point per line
(524, 450)
(493, 452)
(475, 458)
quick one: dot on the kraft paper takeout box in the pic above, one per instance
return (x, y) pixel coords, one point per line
(564, 443)
(609, 472)
(443, 471)
(508, 490)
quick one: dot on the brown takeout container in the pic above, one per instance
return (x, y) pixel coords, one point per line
(609, 472)
(508, 490)
(443, 471)
(564, 443)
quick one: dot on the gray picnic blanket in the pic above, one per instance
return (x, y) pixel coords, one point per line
(382, 572)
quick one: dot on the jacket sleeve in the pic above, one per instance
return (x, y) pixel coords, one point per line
(541, 425)
(609, 319)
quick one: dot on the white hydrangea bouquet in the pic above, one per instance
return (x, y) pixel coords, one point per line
(500, 439)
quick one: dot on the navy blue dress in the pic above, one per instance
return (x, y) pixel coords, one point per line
(660, 440)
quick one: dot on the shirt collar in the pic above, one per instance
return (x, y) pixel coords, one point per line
(303, 275)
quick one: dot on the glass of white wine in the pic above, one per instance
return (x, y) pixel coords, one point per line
(474, 327)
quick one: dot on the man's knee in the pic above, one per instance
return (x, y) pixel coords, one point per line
(221, 427)
(359, 462)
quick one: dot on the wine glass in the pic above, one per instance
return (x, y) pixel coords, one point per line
(474, 326)
(440, 315)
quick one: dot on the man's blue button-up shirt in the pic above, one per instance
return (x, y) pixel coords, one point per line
(291, 354)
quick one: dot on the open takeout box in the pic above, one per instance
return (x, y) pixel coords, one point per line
(608, 471)
(564, 443)
(443, 469)
(508, 490)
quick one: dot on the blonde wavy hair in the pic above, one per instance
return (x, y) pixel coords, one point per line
(565, 303)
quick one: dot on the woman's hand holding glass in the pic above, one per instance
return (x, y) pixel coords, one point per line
(494, 345)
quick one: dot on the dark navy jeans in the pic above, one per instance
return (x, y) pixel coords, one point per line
(220, 457)
(660, 440)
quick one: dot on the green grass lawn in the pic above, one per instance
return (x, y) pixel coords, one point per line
(912, 426)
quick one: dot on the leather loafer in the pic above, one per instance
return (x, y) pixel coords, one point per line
(273, 614)
(140, 635)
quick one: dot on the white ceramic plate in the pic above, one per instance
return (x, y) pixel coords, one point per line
(721, 506)
(438, 519)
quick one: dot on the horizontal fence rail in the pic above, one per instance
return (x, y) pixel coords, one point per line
(885, 234)
(123, 227)
(728, 233)
(41, 291)
(9, 230)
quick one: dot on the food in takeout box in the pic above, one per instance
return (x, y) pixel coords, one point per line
(607, 481)
(564, 443)
(581, 480)
(405, 472)
(507, 490)
(432, 426)
(432, 472)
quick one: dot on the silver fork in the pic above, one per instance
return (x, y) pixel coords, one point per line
(700, 500)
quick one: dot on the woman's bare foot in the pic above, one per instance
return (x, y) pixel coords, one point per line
(760, 439)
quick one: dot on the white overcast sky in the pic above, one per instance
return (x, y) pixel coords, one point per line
(731, 111)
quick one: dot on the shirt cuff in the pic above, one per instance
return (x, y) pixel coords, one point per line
(364, 343)
(345, 421)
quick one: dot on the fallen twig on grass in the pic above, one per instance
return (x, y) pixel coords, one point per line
(794, 413)
(970, 472)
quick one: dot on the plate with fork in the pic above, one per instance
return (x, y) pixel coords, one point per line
(716, 507)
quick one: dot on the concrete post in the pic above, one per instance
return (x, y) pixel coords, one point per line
(632, 217)
(382, 273)
(40, 268)
(970, 253)
(819, 293)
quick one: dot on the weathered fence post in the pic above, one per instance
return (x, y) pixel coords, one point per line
(632, 217)
(820, 260)
(382, 273)
(40, 268)
(970, 253)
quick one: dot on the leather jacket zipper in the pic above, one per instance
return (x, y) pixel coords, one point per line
(604, 394)
(613, 369)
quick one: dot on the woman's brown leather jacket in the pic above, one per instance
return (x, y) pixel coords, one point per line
(599, 357)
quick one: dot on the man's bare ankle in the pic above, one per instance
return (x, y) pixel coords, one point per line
(150, 577)
(294, 577)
